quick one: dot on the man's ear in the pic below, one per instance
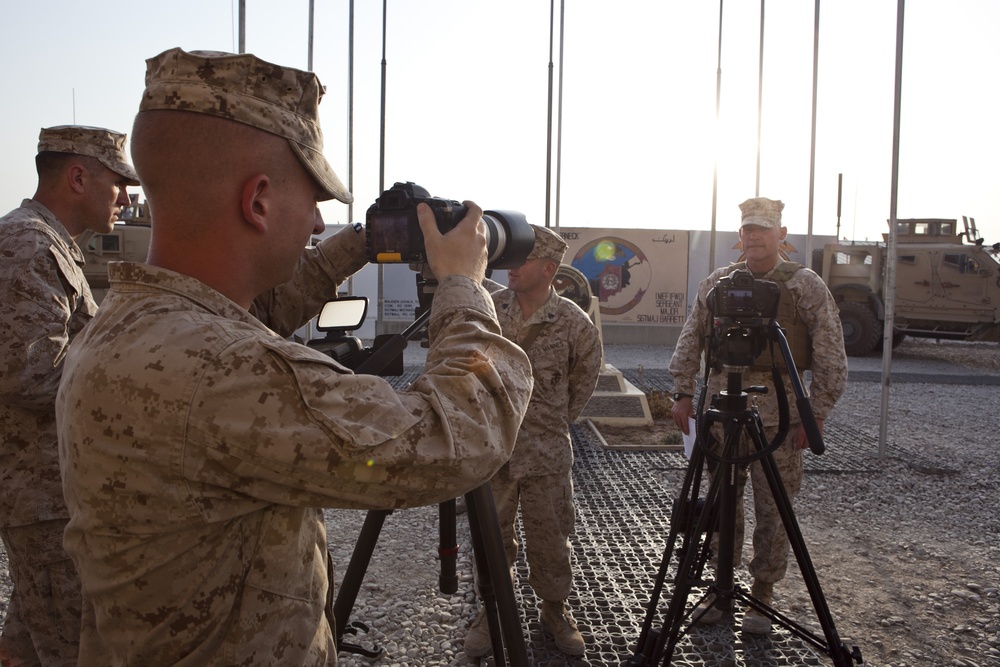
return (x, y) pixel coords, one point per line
(783, 233)
(77, 176)
(255, 201)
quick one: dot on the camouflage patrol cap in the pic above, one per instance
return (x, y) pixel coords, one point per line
(106, 146)
(762, 212)
(243, 88)
(548, 245)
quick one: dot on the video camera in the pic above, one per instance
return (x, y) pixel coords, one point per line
(743, 308)
(393, 235)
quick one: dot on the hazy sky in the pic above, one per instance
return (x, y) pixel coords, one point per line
(467, 100)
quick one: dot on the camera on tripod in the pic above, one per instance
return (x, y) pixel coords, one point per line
(393, 235)
(337, 320)
(743, 308)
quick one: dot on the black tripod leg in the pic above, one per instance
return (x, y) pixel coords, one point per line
(692, 563)
(447, 547)
(494, 579)
(728, 475)
(718, 515)
(351, 585)
(649, 643)
(655, 646)
(838, 650)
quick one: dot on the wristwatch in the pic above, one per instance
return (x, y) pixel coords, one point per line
(678, 396)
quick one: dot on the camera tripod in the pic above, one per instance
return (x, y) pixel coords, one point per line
(495, 586)
(693, 519)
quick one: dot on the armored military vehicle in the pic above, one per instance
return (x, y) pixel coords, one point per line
(129, 240)
(947, 284)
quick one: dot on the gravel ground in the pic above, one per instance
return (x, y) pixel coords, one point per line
(907, 551)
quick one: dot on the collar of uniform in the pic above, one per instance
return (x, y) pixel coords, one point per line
(770, 271)
(548, 312)
(57, 226)
(136, 277)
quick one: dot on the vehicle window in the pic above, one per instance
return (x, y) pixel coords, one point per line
(111, 243)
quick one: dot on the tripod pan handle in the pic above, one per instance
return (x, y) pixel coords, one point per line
(813, 434)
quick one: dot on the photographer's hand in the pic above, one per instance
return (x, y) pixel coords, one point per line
(801, 439)
(681, 412)
(462, 251)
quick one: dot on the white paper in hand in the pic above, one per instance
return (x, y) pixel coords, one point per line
(690, 437)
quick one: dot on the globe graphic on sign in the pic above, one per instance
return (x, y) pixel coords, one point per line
(618, 271)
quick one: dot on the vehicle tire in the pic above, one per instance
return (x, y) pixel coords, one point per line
(862, 329)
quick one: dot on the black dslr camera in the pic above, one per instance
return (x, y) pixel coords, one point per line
(739, 295)
(742, 310)
(392, 232)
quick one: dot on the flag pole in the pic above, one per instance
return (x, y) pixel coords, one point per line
(715, 170)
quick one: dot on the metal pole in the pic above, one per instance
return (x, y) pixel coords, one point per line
(760, 96)
(312, 7)
(350, 121)
(890, 260)
(548, 131)
(243, 26)
(715, 170)
(562, 41)
(380, 323)
(840, 194)
(812, 137)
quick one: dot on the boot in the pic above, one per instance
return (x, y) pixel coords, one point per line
(558, 621)
(706, 613)
(477, 640)
(755, 622)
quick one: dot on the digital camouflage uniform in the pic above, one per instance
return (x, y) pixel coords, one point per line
(198, 445)
(44, 302)
(565, 360)
(815, 306)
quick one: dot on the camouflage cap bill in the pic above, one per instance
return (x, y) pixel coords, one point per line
(762, 212)
(548, 245)
(243, 88)
(106, 146)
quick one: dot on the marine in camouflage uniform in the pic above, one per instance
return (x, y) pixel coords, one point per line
(809, 316)
(44, 303)
(198, 443)
(565, 351)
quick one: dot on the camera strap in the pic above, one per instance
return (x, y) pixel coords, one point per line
(531, 335)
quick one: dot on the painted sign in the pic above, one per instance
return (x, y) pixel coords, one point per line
(638, 275)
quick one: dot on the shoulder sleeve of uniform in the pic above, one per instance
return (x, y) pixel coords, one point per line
(318, 276)
(585, 368)
(294, 427)
(45, 301)
(829, 360)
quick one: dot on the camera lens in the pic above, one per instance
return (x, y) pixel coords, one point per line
(509, 239)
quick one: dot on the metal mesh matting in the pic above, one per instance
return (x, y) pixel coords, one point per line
(623, 514)
(622, 527)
